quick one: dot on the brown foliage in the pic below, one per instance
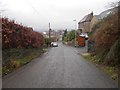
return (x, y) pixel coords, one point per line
(18, 36)
(106, 35)
(105, 38)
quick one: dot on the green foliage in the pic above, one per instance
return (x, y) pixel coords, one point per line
(112, 71)
(65, 39)
(64, 35)
(71, 35)
(47, 41)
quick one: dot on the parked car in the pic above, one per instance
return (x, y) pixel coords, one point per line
(54, 44)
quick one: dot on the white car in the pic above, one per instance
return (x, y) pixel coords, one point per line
(54, 44)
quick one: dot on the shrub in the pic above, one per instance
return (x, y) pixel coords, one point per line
(47, 41)
(18, 36)
(105, 37)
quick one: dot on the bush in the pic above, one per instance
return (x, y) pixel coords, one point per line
(105, 37)
(47, 41)
(18, 36)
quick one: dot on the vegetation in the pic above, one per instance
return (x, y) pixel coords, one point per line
(111, 70)
(18, 36)
(15, 58)
(47, 41)
(105, 38)
(20, 44)
(69, 37)
(64, 35)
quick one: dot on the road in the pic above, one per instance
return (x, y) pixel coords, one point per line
(60, 67)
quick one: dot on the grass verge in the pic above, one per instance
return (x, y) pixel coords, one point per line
(0, 71)
(110, 70)
(15, 58)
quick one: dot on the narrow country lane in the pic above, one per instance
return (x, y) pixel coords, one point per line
(60, 67)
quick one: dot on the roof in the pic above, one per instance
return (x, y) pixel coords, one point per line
(87, 18)
(84, 19)
(105, 13)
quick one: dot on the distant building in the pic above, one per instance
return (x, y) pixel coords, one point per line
(55, 35)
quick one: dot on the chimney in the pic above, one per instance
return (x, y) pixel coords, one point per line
(92, 13)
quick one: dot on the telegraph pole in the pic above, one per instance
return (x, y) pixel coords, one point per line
(75, 32)
(49, 30)
(50, 34)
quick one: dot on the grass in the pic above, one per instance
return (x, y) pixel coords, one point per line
(15, 58)
(110, 70)
(0, 71)
(45, 49)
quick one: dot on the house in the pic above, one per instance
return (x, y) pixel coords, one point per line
(84, 29)
(94, 21)
(97, 18)
(84, 24)
(102, 15)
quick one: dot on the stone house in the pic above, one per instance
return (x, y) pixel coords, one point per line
(94, 21)
(84, 24)
(101, 16)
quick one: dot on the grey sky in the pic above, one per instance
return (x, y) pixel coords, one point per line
(60, 13)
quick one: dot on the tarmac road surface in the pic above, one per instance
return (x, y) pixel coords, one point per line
(60, 67)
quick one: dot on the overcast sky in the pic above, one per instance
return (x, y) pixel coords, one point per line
(60, 13)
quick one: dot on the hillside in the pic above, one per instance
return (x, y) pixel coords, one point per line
(106, 38)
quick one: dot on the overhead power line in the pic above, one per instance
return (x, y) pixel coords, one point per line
(33, 7)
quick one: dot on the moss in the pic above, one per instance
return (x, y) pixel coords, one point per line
(110, 70)
(90, 57)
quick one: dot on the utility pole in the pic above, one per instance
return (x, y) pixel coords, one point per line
(75, 32)
(49, 30)
(50, 34)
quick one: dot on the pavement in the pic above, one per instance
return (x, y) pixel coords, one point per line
(60, 67)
